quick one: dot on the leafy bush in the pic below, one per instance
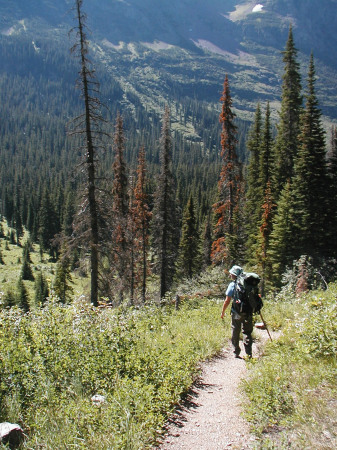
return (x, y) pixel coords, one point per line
(292, 389)
(320, 325)
(309, 274)
(52, 361)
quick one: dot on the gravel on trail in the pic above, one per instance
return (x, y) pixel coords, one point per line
(211, 417)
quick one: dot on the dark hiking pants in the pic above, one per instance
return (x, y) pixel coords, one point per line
(245, 322)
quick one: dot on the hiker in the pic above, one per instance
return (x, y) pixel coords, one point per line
(244, 320)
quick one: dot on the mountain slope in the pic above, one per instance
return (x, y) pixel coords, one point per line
(156, 49)
(162, 52)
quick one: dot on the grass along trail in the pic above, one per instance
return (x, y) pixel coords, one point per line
(211, 417)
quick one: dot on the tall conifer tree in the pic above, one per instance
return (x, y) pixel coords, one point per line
(41, 289)
(62, 283)
(26, 270)
(22, 296)
(266, 154)
(68, 213)
(310, 180)
(165, 237)
(189, 251)
(87, 127)
(120, 251)
(141, 217)
(302, 208)
(281, 245)
(260, 242)
(207, 243)
(263, 238)
(47, 221)
(225, 248)
(18, 223)
(332, 177)
(286, 145)
(253, 195)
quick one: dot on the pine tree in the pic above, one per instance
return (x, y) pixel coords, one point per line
(165, 238)
(332, 179)
(12, 237)
(22, 296)
(31, 220)
(120, 251)
(41, 289)
(9, 299)
(259, 242)
(47, 221)
(88, 127)
(281, 245)
(263, 239)
(141, 217)
(26, 270)
(68, 213)
(207, 244)
(310, 184)
(2, 262)
(225, 248)
(62, 283)
(332, 154)
(266, 154)
(8, 206)
(17, 217)
(286, 145)
(189, 251)
(131, 236)
(253, 195)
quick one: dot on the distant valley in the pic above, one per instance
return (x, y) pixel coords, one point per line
(161, 52)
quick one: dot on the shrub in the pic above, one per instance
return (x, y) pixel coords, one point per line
(53, 360)
(294, 384)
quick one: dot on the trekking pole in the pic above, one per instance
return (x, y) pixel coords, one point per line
(264, 323)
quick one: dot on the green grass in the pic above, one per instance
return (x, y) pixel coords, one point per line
(292, 390)
(53, 360)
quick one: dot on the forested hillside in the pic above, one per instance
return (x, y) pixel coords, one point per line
(229, 189)
(137, 165)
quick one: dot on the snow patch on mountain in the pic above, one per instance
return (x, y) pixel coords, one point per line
(109, 44)
(244, 9)
(15, 29)
(257, 8)
(9, 31)
(241, 58)
(157, 45)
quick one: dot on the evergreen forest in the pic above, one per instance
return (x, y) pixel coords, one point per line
(166, 206)
(117, 232)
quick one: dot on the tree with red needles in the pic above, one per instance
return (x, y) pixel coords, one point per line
(225, 245)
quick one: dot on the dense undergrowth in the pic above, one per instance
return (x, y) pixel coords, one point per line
(142, 361)
(292, 389)
(54, 360)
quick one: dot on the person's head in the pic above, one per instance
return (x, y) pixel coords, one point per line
(235, 271)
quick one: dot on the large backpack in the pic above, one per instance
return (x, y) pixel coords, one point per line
(246, 294)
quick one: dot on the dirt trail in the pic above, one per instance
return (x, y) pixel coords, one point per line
(211, 417)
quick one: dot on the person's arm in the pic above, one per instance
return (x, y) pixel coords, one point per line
(225, 305)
